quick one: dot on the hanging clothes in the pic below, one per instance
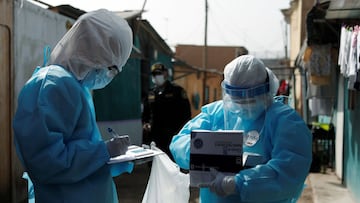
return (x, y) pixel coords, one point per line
(349, 55)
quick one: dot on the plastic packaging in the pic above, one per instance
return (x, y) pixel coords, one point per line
(166, 182)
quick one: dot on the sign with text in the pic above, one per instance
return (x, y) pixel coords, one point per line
(220, 150)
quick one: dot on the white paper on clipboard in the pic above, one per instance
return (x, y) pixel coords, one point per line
(134, 152)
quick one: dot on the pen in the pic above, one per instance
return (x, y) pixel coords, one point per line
(113, 133)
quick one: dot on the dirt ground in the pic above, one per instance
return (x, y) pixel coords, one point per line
(307, 194)
(131, 187)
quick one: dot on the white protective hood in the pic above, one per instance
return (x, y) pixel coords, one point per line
(98, 39)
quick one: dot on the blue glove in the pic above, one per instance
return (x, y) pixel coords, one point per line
(222, 185)
(120, 168)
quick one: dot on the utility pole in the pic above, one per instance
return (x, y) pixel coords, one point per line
(205, 55)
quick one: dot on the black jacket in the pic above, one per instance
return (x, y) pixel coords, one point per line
(167, 109)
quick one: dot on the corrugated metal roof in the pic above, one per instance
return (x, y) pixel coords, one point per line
(343, 9)
(68, 11)
(72, 12)
(146, 26)
(129, 14)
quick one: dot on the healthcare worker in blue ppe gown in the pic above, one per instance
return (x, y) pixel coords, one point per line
(273, 131)
(56, 136)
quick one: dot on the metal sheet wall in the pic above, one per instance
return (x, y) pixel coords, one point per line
(6, 22)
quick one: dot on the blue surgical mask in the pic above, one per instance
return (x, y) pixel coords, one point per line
(97, 79)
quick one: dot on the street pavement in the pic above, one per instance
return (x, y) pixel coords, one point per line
(323, 187)
(131, 187)
(327, 188)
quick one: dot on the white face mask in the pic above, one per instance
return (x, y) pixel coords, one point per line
(159, 80)
(98, 78)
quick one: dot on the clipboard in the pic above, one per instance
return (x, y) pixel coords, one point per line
(137, 154)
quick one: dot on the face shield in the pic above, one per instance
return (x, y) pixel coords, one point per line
(243, 106)
(248, 88)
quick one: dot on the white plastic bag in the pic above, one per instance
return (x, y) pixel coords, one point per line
(166, 182)
(31, 193)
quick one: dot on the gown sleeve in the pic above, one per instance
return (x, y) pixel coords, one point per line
(180, 144)
(284, 174)
(54, 132)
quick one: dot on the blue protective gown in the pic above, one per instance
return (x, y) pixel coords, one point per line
(285, 142)
(58, 141)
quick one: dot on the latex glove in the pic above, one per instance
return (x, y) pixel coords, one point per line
(118, 145)
(120, 168)
(222, 185)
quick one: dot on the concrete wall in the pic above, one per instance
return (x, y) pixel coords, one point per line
(218, 57)
(35, 28)
(193, 84)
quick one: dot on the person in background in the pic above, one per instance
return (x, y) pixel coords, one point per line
(166, 109)
(56, 135)
(284, 88)
(272, 130)
(283, 92)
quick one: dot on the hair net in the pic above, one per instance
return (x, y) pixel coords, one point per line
(246, 71)
(98, 39)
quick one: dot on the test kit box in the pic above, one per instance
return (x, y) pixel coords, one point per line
(220, 150)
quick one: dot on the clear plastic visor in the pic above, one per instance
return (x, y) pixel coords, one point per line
(242, 106)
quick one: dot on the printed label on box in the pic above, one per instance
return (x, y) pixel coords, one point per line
(220, 150)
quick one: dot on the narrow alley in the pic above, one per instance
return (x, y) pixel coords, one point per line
(319, 187)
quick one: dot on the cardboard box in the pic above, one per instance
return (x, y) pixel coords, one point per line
(220, 150)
